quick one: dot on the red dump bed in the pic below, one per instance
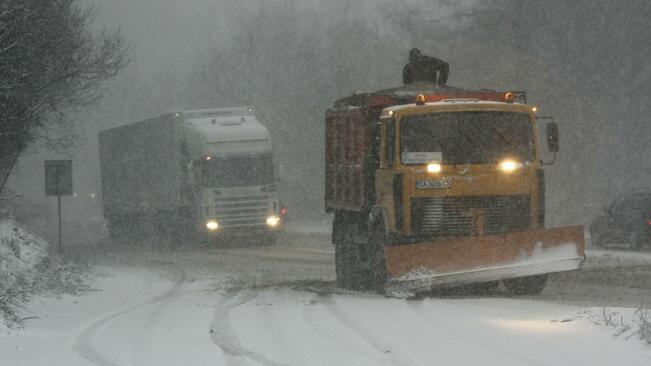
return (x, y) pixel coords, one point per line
(347, 144)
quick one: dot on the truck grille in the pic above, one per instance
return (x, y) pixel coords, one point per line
(242, 211)
(457, 216)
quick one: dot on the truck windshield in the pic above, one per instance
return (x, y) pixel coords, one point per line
(468, 137)
(237, 170)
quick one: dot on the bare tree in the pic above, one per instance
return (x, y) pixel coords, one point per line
(50, 63)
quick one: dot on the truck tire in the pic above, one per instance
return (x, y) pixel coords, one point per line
(635, 241)
(532, 285)
(350, 270)
(377, 240)
(337, 227)
(342, 265)
(267, 239)
(120, 229)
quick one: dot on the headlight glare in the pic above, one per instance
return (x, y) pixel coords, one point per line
(510, 165)
(434, 168)
(212, 225)
(273, 221)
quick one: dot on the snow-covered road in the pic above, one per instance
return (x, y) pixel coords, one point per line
(277, 306)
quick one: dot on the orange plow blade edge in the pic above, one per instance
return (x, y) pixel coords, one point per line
(457, 261)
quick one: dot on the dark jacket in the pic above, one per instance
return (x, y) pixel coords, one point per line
(425, 68)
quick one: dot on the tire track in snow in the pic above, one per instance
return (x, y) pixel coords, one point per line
(391, 354)
(142, 345)
(224, 336)
(438, 326)
(83, 342)
(325, 332)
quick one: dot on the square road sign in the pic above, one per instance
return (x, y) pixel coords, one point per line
(58, 177)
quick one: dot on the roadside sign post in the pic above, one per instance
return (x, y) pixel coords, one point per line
(58, 182)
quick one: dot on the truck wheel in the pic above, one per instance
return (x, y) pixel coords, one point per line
(342, 268)
(114, 227)
(635, 241)
(350, 270)
(377, 240)
(118, 229)
(532, 285)
(269, 239)
(338, 227)
(340, 234)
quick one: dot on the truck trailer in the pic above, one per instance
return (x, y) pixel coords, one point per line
(205, 172)
(435, 186)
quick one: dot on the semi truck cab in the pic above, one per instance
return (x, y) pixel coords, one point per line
(233, 171)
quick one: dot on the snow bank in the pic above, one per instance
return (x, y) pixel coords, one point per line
(20, 254)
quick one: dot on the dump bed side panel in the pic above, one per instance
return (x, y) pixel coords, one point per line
(347, 144)
(141, 166)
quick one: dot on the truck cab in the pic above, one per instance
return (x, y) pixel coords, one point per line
(232, 171)
(460, 167)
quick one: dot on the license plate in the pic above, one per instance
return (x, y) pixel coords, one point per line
(434, 183)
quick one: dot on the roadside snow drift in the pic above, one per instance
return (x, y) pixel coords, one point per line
(20, 254)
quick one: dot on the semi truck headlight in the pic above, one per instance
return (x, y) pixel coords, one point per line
(434, 168)
(212, 225)
(510, 165)
(273, 221)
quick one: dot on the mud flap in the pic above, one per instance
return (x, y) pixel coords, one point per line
(457, 261)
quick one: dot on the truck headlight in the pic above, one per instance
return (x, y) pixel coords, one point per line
(510, 165)
(434, 168)
(212, 225)
(273, 221)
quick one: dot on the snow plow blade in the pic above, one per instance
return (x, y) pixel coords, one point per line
(457, 261)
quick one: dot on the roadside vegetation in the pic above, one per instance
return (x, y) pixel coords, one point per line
(28, 268)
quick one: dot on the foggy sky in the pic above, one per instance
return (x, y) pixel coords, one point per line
(169, 38)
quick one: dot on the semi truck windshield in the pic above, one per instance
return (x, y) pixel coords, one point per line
(237, 170)
(469, 137)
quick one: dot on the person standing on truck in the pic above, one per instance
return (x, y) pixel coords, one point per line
(424, 68)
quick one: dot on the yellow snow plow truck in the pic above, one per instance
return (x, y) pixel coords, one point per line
(433, 186)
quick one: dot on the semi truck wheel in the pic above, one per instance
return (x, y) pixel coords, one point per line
(635, 241)
(116, 227)
(532, 285)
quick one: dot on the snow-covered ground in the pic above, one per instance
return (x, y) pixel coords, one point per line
(277, 305)
(145, 317)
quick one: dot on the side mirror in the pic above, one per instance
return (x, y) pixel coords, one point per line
(552, 137)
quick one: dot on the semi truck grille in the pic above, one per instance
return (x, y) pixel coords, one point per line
(461, 216)
(242, 211)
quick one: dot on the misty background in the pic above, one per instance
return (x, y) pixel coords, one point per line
(583, 62)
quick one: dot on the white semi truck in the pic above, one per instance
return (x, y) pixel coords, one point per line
(208, 172)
